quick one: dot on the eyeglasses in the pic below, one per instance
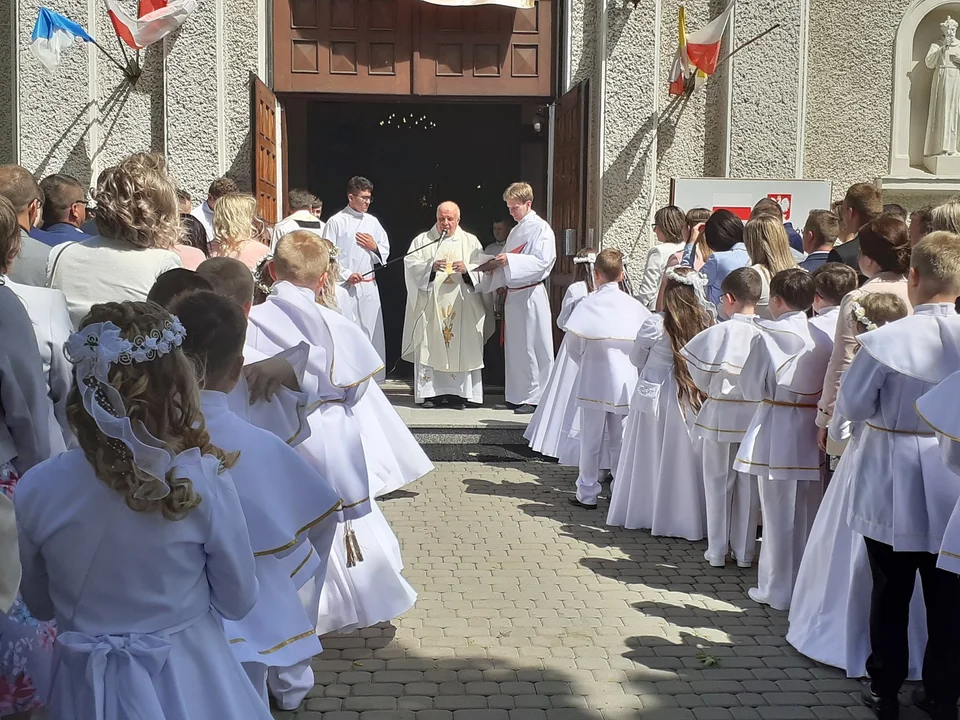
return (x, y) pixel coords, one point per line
(364, 198)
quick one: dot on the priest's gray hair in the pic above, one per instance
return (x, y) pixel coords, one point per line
(449, 205)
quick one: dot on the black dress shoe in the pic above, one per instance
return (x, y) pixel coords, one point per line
(577, 503)
(525, 410)
(883, 708)
(505, 406)
(936, 709)
(429, 404)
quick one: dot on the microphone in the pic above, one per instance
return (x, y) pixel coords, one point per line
(443, 234)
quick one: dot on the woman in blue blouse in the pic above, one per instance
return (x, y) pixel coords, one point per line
(724, 234)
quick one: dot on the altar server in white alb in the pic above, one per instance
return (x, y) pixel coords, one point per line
(304, 214)
(784, 373)
(155, 506)
(522, 268)
(364, 247)
(299, 508)
(714, 358)
(602, 330)
(549, 430)
(363, 583)
(443, 329)
(658, 482)
(903, 495)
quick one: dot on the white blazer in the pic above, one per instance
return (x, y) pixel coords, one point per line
(51, 323)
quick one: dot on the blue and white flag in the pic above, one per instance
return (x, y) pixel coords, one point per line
(52, 33)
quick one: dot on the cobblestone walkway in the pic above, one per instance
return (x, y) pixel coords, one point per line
(531, 609)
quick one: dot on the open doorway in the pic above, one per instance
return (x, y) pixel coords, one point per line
(417, 155)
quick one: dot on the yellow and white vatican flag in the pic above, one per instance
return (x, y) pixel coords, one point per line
(681, 68)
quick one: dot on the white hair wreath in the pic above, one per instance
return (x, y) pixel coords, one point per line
(588, 259)
(860, 315)
(699, 284)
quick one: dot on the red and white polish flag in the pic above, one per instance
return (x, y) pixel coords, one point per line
(703, 46)
(155, 20)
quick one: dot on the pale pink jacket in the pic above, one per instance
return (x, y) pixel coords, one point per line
(845, 342)
(250, 253)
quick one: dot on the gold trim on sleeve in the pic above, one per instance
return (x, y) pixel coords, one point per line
(303, 562)
(296, 537)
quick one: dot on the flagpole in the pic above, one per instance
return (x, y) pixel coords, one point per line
(733, 52)
(124, 70)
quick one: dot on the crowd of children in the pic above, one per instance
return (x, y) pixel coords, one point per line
(204, 506)
(727, 411)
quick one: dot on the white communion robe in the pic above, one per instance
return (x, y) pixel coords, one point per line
(443, 329)
(602, 330)
(830, 608)
(297, 507)
(373, 590)
(152, 646)
(528, 337)
(938, 408)
(659, 480)
(784, 372)
(903, 494)
(550, 425)
(363, 299)
(300, 220)
(714, 358)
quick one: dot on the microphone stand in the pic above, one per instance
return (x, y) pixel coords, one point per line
(443, 236)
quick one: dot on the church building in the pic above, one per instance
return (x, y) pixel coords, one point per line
(436, 102)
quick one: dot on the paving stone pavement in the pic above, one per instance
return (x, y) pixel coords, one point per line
(531, 609)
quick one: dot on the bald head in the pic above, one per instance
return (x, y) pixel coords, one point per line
(448, 217)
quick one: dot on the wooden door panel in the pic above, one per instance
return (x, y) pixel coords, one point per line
(343, 46)
(569, 188)
(487, 50)
(266, 180)
(410, 47)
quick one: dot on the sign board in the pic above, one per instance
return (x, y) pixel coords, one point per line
(795, 197)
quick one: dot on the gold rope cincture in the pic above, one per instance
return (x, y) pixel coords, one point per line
(354, 553)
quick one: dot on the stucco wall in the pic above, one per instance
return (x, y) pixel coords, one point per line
(849, 91)
(7, 95)
(86, 116)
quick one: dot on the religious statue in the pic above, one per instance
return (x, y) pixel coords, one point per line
(943, 122)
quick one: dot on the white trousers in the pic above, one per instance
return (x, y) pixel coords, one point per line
(789, 508)
(290, 685)
(593, 424)
(733, 505)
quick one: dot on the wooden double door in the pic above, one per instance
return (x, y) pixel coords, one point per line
(411, 47)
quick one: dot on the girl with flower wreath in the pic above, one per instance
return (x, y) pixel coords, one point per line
(26, 644)
(830, 608)
(659, 479)
(136, 541)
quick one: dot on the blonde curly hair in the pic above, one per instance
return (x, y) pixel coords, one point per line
(235, 222)
(163, 395)
(137, 203)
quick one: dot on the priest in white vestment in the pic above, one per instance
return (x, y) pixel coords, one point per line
(364, 247)
(522, 268)
(443, 329)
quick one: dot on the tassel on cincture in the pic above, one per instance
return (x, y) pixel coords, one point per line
(354, 553)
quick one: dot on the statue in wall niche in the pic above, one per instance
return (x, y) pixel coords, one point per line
(943, 122)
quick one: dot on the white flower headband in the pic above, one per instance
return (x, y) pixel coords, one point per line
(860, 315)
(92, 351)
(588, 259)
(699, 284)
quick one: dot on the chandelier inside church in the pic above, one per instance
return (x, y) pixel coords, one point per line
(411, 120)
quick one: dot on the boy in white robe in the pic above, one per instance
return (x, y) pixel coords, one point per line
(784, 373)
(364, 584)
(902, 496)
(715, 358)
(522, 268)
(364, 247)
(296, 508)
(833, 282)
(603, 328)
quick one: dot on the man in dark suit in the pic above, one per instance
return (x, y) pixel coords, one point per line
(862, 204)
